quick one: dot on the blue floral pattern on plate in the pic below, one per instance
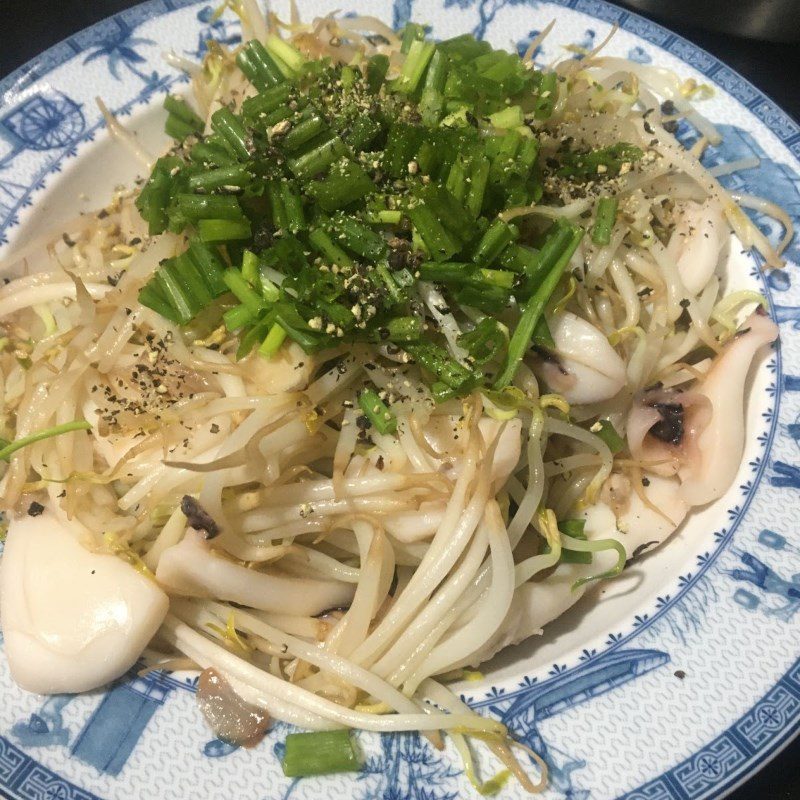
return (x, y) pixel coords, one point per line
(648, 709)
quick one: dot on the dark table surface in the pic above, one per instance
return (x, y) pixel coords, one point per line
(27, 29)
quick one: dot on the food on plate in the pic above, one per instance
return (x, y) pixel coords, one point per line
(399, 349)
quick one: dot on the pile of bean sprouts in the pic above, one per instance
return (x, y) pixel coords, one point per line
(379, 567)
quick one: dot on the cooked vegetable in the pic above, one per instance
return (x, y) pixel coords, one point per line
(319, 753)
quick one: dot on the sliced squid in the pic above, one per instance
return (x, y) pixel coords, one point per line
(588, 369)
(639, 527)
(443, 433)
(699, 434)
(73, 620)
(721, 444)
(697, 241)
(288, 371)
(190, 568)
(664, 426)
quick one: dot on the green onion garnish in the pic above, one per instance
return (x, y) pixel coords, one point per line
(9, 448)
(534, 309)
(273, 341)
(325, 199)
(595, 546)
(319, 753)
(605, 430)
(604, 220)
(377, 412)
(574, 529)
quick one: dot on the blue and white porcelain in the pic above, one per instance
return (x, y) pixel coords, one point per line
(677, 686)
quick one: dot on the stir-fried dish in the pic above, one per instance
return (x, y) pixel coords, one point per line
(400, 348)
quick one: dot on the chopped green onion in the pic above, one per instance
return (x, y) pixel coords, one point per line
(328, 198)
(609, 435)
(453, 272)
(192, 283)
(288, 58)
(387, 283)
(154, 197)
(250, 267)
(439, 243)
(533, 310)
(389, 217)
(227, 177)
(604, 220)
(486, 340)
(596, 546)
(303, 132)
(413, 32)
(179, 108)
(537, 266)
(222, 230)
(288, 317)
(604, 162)
(547, 95)
(542, 336)
(362, 133)
(195, 207)
(519, 258)
(293, 207)
(358, 238)
(169, 282)
(448, 211)
(231, 129)
(417, 59)
(9, 448)
(478, 179)
(318, 158)
(258, 65)
(269, 290)
(244, 293)
(208, 152)
(256, 108)
(573, 528)
(437, 361)
(150, 295)
(273, 341)
(404, 329)
(208, 265)
(377, 412)
(432, 98)
(377, 67)
(239, 316)
(510, 117)
(326, 247)
(178, 129)
(498, 277)
(345, 183)
(498, 236)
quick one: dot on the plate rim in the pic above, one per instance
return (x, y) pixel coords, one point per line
(755, 101)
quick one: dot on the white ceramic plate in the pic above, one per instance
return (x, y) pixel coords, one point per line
(680, 684)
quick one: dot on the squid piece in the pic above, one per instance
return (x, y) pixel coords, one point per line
(416, 526)
(73, 620)
(721, 443)
(699, 434)
(288, 371)
(190, 568)
(638, 527)
(587, 369)
(697, 241)
(444, 433)
(664, 426)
